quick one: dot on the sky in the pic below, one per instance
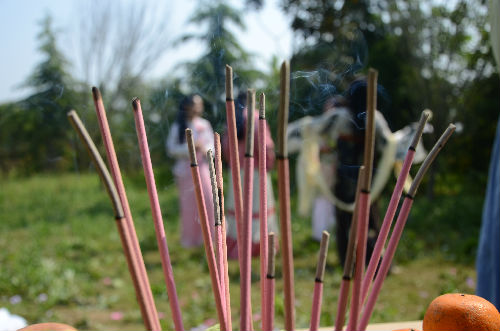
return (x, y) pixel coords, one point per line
(267, 34)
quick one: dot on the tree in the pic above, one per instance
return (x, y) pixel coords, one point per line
(119, 43)
(207, 74)
(40, 123)
(429, 55)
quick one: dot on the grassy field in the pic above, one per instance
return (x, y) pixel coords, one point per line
(61, 258)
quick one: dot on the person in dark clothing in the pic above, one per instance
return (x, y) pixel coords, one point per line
(350, 149)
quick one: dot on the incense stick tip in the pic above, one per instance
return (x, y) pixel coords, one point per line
(262, 106)
(71, 113)
(136, 103)
(229, 83)
(372, 72)
(427, 113)
(325, 235)
(96, 93)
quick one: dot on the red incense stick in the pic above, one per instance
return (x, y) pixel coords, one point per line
(391, 209)
(349, 261)
(234, 158)
(246, 253)
(284, 198)
(224, 268)
(218, 235)
(263, 204)
(207, 237)
(143, 289)
(157, 217)
(399, 227)
(269, 294)
(364, 199)
(318, 283)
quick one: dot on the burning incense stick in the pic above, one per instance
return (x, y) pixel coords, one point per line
(391, 209)
(218, 235)
(349, 261)
(145, 296)
(399, 227)
(263, 204)
(207, 238)
(224, 268)
(246, 252)
(269, 294)
(364, 199)
(318, 283)
(157, 217)
(284, 198)
(234, 158)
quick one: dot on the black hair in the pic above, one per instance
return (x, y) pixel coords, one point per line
(239, 107)
(356, 98)
(181, 119)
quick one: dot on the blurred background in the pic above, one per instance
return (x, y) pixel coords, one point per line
(60, 253)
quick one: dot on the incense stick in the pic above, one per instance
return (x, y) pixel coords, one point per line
(318, 283)
(284, 198)
(224, 268)
(207, 238)
(234, 158)
(263, 204)
(218, 235)
(364, 199)
(349, 261)
(246, 253)
(269, 294)
(220, 190)
(391, 209)
(145, 296)
(399, 227)
(157, 217)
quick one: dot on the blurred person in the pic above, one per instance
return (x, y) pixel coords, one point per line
(315, 171)
(189, 116)
(241, 120)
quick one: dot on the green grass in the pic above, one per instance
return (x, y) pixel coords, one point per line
(61, 255)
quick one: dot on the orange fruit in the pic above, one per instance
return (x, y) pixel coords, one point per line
(48, 327)
(461, 312)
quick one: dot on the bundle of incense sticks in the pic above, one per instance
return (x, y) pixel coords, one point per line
(360, 312)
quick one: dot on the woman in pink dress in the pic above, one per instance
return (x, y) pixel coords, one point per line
(189, 116)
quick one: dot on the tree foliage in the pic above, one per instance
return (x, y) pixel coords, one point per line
(34, 130)
(429, 55)
(207, 74)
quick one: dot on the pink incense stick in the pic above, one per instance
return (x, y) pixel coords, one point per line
(349, 261)
(224, 268)
(207, 237)
(143, 289)
(318, 283)
(391, 209)
(234, 158)
(262, 204)
(157, 217)
(364, 199)
(246, 253)
(218, 234)
(399, 227)
(269, 293)
(284, 198)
